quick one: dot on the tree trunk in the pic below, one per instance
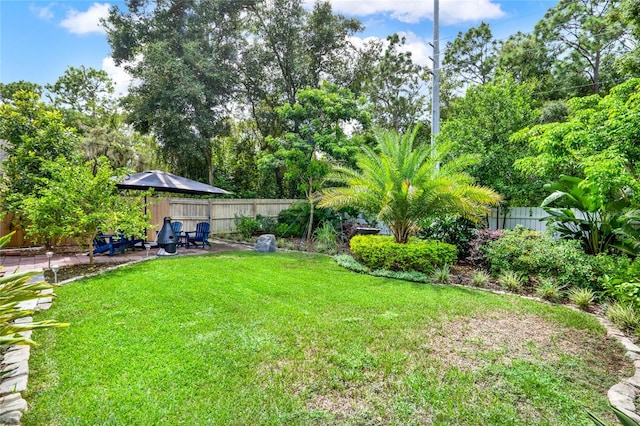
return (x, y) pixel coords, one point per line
(311, 210)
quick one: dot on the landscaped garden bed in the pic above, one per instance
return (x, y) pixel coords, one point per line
(292, 338)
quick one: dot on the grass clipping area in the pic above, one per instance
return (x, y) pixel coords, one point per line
(242, 338)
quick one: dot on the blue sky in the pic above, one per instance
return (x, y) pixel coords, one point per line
(40, 39)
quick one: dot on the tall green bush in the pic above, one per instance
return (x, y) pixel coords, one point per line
(382, 252)
(532, 253)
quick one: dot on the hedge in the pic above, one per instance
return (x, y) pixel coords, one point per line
(382, 252)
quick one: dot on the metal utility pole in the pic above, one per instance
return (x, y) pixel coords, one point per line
(435, 96)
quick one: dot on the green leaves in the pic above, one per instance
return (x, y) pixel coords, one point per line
(600, 223)
(79, 199)
(402, 184)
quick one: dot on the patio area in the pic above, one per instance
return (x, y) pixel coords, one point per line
(15, 260)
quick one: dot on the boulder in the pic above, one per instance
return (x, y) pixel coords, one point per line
(266, 244)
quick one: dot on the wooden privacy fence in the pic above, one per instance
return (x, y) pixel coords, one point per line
(220, 213)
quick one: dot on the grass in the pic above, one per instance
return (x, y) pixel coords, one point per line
(241, 338)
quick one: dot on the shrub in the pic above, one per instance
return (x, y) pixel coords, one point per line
(480, 278)
(582, 297)
(454, 230)
(478, 244)
(511, 280)
(624, 316)
(293, 222)
(248, 226)
(549, 290)
(532, 253)
(326, 238)
(413, 276)
(441, 274)
(347, 261)
(382, 252)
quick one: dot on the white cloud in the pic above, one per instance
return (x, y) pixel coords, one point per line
(44, 12)
(86, 22)
(420, 50)
(451, 11)
(118, 75)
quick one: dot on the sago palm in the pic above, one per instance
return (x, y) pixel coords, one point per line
(402, 183)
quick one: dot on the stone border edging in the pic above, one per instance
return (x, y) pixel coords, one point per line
(16, 360)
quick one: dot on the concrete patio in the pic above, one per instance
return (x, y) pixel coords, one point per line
(14, 261)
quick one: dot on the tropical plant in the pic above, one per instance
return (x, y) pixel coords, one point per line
(624, 316)
(532, 253)
(15, 289)
(622, 417)
(549, 290)
(326, 238)
(480, 278)
(511, 280)
(441, 274)
(582, 297)
(603, 222)
(455, 230)
(406, 180)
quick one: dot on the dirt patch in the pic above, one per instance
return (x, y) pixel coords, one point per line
(473, 343)
(79, 270)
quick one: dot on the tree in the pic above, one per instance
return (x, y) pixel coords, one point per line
(525, 58)
(85, 94)
(316, 137)
(78, 200)
(403, 183)
(8, 90)
(597, 142)
(472, 56)
(184, 55)
(395, 87)
(32, 134)
(581, 34)
(481, 123)
(630, 14)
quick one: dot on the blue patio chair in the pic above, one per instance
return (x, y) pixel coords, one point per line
(177, 229)
(109, 243)
(200, 235)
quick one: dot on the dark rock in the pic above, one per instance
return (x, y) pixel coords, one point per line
(266, 244)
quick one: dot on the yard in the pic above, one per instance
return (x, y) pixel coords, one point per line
(239, 338)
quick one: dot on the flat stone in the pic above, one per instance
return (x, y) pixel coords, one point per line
(20, 354)
(266, 244)
(43, 306)
(10, 398)
(633, 355)
(14, 384)
(629, 345)
(26, 334)
(622, 396)
(23, 320)
(15, 405)
(37, 278)
(12, 418)
(15, 369)
(28, 305)
(631, 414)
(44, 300)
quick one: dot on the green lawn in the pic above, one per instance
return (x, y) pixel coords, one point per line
(241, 338)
